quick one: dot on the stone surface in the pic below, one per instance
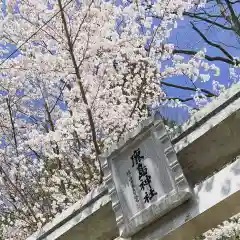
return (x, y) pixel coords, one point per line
(211, 145)
(210, 110)
(100, 225)
(215, 200)
(77, 220)
(144, 178)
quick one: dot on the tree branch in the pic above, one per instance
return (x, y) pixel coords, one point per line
(211, 43)
(13, 125)
(58, 98)
(136, 103)
(25, 201)
(207, 92)
(80, 25)
(207, 57)
(80, 84)
(179, 99)
(233, 16)
(193, 15)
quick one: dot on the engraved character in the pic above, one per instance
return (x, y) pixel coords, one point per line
(152, 193)
(142, 170)
(136, 158)
(146, 198)
(146, 182)
(142, 186)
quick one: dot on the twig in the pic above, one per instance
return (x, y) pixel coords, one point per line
(207, 57)
(80, 84)
(212, 43)
(209, 94)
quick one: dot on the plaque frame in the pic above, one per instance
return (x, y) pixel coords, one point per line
(181, 190)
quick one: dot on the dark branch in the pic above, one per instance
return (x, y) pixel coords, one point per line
(233, 16)
(136, 102)
(211, 43)
(192, 15)
(12, 124)
(80, 25)
(179, 99)
(207, 92)
(207, 57)
(80, 84)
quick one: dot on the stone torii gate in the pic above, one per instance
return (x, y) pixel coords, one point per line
(161, 188)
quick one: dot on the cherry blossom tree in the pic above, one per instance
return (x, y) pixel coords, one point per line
(86, 73)
(229, 229)
(220, 16)
(215, 24)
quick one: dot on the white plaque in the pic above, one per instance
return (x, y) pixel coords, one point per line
(144, 178)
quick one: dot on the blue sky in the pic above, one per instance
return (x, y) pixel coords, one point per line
(184, 37)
